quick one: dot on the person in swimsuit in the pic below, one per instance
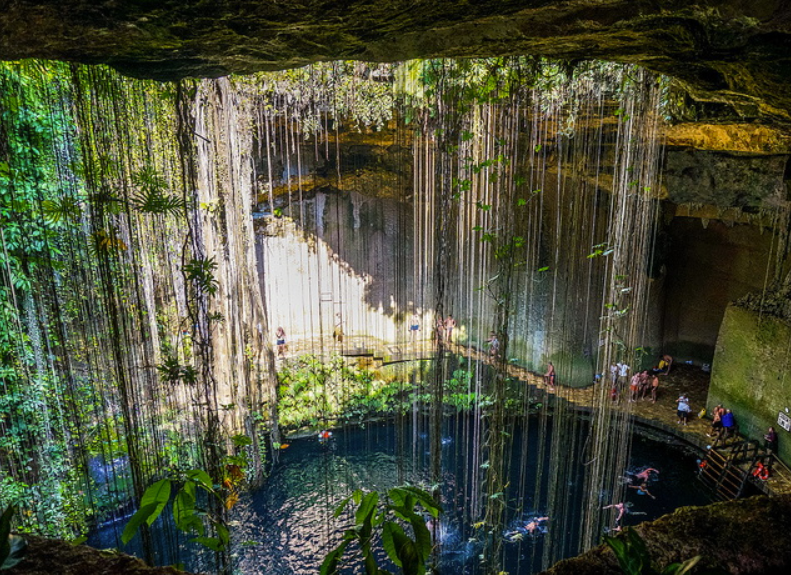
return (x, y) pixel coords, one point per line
(642, 489)
(549, 376)
(450, 323)
(414, 327)
(716, 421)
(683, 409)
(494, 345)
(621, 509)
(280, 334)
(654, 387)
(634, 387)
(337, 333)
(532, 525)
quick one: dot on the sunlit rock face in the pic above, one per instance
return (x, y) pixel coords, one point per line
(726, 51)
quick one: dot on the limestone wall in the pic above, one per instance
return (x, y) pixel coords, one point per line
(751, 373)
(707, 266)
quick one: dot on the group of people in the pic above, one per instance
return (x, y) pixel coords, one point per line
(642, 385)
(444, 329)
(639, 482)
(723, 423)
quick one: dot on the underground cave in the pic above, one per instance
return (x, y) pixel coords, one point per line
(439, 310)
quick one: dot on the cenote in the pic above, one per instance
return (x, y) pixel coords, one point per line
(480, 274)
(289, 525)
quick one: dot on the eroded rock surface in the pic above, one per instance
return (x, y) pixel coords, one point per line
(744, 537)
(54, 557)
(727, 51)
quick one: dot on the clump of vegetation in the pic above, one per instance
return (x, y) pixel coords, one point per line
(387, 527)
(634, 559)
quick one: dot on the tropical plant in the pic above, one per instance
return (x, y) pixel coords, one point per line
(375, 525)
(187, 515)
(633, 557)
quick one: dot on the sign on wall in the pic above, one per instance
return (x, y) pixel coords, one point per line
(784, 421)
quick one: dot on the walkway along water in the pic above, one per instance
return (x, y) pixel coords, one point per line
(690, 380)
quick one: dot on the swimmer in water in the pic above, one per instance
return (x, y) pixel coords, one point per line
(532, 525)
(620, 507)
(645, 474)
(642, 489)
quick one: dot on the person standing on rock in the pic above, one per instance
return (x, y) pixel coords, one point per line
(771, 440)
(337, 333)
(280, 334)
(683, 409)
(623, 373)
(414, 327)
(549, 376)
(450, 323)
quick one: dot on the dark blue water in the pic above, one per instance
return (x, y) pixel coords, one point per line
(288, 526)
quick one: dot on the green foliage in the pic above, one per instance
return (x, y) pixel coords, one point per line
(187, 516)
(633, 557)
(312, 392)
(200, 272)
(152, 196)
(172, 371)
(389, 526)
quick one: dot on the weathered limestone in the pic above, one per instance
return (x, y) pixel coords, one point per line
(751, 373)
(726, 51)
(743, 537)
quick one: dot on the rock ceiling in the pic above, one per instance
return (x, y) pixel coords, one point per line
(732, 52)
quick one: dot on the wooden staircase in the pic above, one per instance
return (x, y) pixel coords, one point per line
(728, 467)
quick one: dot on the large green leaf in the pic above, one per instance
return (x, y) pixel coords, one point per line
(212, 543)
(391, 533)
(424, 498)
(137, 520)
(422, 537)
(681, 568)
(184, 510)
(407, 554)
(330, 564)
(158, 493)
(366, 509)
(201, 478)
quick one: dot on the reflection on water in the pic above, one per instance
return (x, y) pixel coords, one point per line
(289, 525)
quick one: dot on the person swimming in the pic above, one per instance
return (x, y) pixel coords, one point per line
(645, 474)
(533, 527)
(642, 489)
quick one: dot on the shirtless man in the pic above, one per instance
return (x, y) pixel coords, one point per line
(621, 509)
(634, 387)
(642, 489)
(654, 387)
(533, 524)
(450, 323)
(549, 376)
(645, 474)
